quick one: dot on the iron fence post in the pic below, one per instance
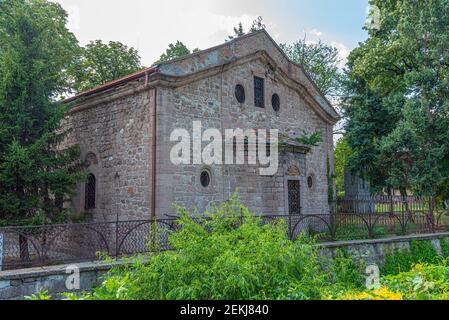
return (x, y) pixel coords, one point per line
(332, 220)
(431, 217)
(116, 239)
(371, 227)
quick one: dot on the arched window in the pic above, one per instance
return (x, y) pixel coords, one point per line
(205, 178)
(90, 192)
(310, 182)
(240, 93)
(276, 102)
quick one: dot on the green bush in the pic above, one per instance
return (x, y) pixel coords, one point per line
(222, 258)
(396, 262)
(423, 252)
(423, 282)
(402, 261)
(345, 273)
(444, 248)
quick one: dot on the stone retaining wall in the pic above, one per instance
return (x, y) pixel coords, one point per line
(16, 284)
(374, 251)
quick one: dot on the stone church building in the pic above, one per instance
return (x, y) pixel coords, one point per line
(124, 127)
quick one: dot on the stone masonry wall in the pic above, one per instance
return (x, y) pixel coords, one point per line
(17, 284)
(115, 137)
(212, 101)
(375, 251)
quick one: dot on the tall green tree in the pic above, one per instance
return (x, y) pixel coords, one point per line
(99, 63)
(36, 172)
(343, 154)
(176, 50)
(321, 62)
(402, 71)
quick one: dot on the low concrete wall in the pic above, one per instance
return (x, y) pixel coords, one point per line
(16, 284)
(374, 251)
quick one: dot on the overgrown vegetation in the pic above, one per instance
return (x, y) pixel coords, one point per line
(398, 261)
(222, 257)
(422, 282)
(418, 274)
(230, 254)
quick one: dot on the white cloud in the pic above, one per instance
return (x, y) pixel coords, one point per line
(149, 26)
(312, 36)
(315, 33)
(343, 51)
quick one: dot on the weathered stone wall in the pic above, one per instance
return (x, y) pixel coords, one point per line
(115, 141)
(212, 101)
(16, 284)
(241, 47)
(375, 251)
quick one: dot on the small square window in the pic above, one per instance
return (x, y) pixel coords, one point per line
(259, 92)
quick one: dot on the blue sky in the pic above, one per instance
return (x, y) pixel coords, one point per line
(150, 26)
(341, 21)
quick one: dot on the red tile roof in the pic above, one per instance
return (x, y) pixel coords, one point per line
(112, 84)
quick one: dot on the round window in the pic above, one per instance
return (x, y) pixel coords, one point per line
(310, 181)
(240, 93)
(276, 102)
(205, 178)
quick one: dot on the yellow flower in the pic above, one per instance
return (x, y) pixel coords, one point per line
(379, 294)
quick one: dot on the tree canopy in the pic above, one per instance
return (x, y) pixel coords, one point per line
(397, 100)
(176, 50)
(99, 63)
(321, 61)
(35, 51)
(343, 155)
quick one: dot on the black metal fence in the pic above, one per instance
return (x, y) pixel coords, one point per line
(355, 226)
(385, 204)
(55, 244)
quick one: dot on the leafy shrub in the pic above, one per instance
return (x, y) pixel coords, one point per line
(345, 273)
(396, 262)
(444, 248)
(41, 295)
(423, 252)
(226, 257)
(423, 282)
(403, 261)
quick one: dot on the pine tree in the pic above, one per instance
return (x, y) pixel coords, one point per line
(36, 172)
